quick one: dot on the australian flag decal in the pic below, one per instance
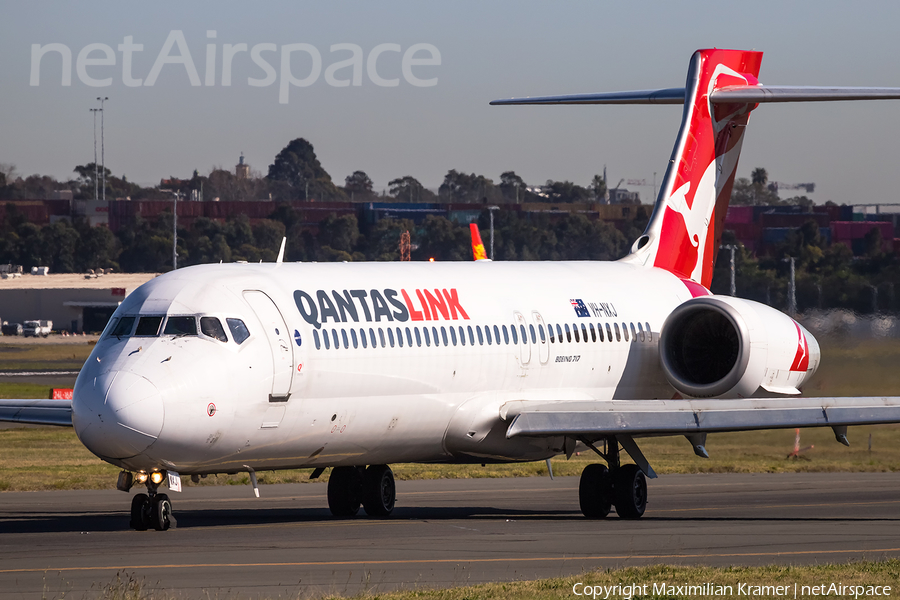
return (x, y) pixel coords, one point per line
(580, 309)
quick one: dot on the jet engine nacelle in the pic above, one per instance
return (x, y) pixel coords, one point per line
(729, 347)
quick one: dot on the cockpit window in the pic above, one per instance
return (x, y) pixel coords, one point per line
(212, 327)
(122, 328)
(238, 330)
(148, 327)
(181, 326)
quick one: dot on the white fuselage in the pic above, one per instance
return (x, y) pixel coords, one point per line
(283, 399)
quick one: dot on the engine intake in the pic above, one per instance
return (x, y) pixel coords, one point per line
(729, 347)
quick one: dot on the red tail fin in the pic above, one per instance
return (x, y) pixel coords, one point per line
(686, 225)
(477, 246)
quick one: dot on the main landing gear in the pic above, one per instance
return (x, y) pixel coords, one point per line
(622, 486)
(151, 510)
(373, 487)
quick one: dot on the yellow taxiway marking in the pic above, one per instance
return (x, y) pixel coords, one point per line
(337, 563)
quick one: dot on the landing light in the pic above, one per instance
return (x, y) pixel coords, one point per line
(156, 477)
(141, 477)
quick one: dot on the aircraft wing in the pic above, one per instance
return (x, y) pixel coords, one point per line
(37, 412)
(593, 420)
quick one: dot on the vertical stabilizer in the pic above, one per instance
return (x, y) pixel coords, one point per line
(686, 225)
(478, 252)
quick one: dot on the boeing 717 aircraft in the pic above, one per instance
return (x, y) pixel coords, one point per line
(230, 368)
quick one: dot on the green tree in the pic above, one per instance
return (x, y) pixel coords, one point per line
(441, 239)
(97, 248)
(300, 175)
(338, 234)
(565, 191)
(359, 186)
(408, 189)
(465, 187)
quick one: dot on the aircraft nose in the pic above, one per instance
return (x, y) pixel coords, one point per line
(118, 414)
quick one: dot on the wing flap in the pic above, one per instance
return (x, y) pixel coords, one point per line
(37, 412)
(685, 417)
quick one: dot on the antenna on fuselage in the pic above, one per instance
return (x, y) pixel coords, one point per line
(280, 258)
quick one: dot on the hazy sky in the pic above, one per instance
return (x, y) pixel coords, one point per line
(392, 124)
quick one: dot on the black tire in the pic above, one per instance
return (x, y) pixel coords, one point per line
(379, 491)
(161, 512)
(140, 516)
(630, 491)
(595, 491)
(344, 491)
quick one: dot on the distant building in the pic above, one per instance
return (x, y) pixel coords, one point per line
(242, 170)
(623, 196)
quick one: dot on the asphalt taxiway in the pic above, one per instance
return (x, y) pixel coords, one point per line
(442, 533)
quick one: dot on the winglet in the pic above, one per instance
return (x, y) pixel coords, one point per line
(280, 258)
(477, 245)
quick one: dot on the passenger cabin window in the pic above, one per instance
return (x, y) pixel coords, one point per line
(462, 335)
(633, 334)
(487, 334)
(625, 331)
(618, 334)
(608, 332)
(649, 332)
(317, 340)
(212, 327)
(391, 337)
(480, 336)
(515, 336)
(453, 335)
(505, 335)
(600, 331)
(123, 327)
(551, 334)
(148, 327)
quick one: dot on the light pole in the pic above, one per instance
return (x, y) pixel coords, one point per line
(491, 210)
(732, 247)
(175, 231)
(95, 110)
(792, 289)
(102, 146)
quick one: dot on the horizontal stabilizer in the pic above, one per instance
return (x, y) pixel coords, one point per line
(37, 412)
(763, 93)
(666, 96)
(685, 417)
(733, 94)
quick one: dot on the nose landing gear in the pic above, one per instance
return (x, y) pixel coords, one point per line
(150, 510)
(372, 487)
